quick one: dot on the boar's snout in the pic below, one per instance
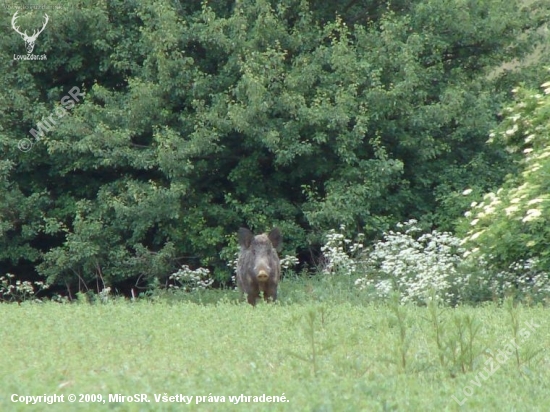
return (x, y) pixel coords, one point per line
(262, 275)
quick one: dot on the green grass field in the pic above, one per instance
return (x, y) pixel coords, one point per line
(319, 356)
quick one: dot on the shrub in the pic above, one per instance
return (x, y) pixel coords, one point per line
(340, 254)
(415, 265)
(191, 280)
(522, 280)
(20, 290)
(510, 226)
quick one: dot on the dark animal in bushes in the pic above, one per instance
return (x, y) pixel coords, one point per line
(259, 267)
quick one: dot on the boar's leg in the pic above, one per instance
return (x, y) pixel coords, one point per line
(270, 295)
(251, 297)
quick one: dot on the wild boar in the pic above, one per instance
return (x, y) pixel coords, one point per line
(258, 267)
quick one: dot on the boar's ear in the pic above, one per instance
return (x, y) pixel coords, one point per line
(245, 237)
(276, 238)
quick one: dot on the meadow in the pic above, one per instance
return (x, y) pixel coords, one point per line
(308, 354)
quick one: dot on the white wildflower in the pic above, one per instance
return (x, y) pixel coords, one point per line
(191, 280)
(532, 214)
(476, 235)
(511, 209)
(414, 265)
(512, 131)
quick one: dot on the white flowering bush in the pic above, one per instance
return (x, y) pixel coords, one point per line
(232, 264)
(18, 291)
(420, 266)
(512, 224)
(340, 254)
(105, 294)
(288, 262)
(190, 280)
(415, 265)
(521, 279)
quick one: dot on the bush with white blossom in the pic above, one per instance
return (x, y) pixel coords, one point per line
(191, 280)
(340, 254)
(511, 224)
(415, 265)
(420, 266)
(12, 290)
(522, 279)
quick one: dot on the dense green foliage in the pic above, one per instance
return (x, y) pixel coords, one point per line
(321, 356)
(202, 117)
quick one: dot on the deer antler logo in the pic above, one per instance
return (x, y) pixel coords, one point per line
(29, 40)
